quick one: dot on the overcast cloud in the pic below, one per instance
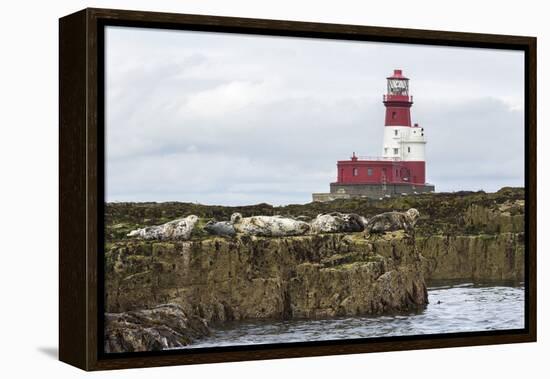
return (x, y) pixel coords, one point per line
(234, 119)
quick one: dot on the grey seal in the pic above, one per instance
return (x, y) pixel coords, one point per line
(391, 221)
(336, 222)
(268, 226)
(179, 229)
(220, 228)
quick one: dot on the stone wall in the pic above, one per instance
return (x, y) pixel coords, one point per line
(374, 191)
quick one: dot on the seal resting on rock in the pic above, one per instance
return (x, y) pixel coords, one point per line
(336, 222)
(268, 226)
(179, 229)
(220, 228)
(391, 221)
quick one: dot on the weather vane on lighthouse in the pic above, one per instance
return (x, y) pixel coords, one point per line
(402, 167)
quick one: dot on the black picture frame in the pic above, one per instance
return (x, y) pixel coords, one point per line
(81, 183)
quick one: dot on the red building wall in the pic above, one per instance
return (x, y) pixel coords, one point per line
(374, 172)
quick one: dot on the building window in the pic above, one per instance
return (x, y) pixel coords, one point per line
(395, 151)
(393, 115)
(369, 171)
(385, 150)
(355, 171)
(409, 149)
(395, 132)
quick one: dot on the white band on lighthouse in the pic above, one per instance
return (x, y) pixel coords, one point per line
(404, 143)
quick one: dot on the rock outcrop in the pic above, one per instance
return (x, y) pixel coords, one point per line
(474, 257)
(209, 279)
(505, 217)
(163, 327)
(310, 276)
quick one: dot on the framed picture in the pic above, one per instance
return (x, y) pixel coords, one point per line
(239, 189)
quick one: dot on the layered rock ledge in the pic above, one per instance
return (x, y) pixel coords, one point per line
(221, 279)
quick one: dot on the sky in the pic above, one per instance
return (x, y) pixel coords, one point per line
(233, 119)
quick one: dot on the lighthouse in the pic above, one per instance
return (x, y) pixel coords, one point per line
(401, 169)
(402, 141)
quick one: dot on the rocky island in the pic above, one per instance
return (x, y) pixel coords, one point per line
(162, 294)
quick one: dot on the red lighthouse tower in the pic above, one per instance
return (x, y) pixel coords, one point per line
(401, 169)
(397, 100)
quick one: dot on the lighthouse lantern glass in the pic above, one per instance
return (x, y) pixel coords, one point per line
(398, 87)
